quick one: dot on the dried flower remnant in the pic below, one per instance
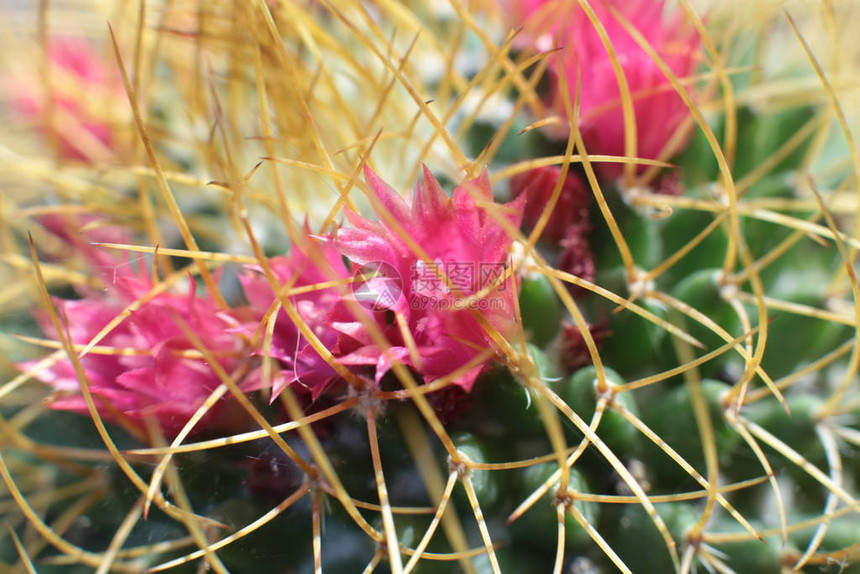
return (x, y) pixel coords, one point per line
(568, 225)
(146, 367)
(576, 256)
(572, 349)
(659, 111)
(539, 184)
(461, 276)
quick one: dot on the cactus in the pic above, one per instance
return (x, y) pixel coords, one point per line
(613, 328)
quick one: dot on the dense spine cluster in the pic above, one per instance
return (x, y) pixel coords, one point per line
(611, 328)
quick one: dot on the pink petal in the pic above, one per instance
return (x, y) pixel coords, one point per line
(389, 198)
(430, 201)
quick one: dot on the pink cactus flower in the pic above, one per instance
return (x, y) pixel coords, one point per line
(160, 374)
(81, 86)
(658, 109)
(310, 265)
(464, 241)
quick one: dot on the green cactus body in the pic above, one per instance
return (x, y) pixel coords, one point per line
(672, 418)
(540, 309)
(581, 390)
(539, 525)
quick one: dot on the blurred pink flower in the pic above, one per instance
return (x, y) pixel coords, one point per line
(658, 109)
(160, 374)
(536, 20)
(463, 239)
(81, 87)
